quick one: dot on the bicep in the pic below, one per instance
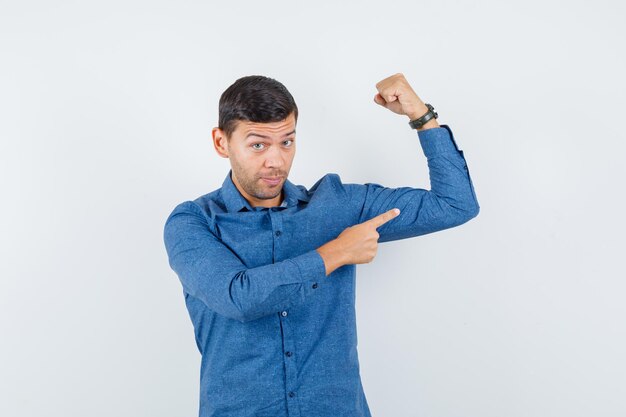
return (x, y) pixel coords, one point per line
(421, 212)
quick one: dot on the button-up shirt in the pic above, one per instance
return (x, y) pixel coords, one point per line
(277, 335)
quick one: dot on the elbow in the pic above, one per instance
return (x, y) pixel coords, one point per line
(242, 310)
(469, 214)
(474, 212)
(462, 215)
(469, 209)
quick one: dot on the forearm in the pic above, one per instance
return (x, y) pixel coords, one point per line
(210, 271)
(449, 177)
(270, 288)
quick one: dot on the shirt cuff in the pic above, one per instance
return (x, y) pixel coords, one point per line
(311, 265)
(437, 140)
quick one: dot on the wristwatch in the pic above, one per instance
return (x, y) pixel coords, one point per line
(421, 121)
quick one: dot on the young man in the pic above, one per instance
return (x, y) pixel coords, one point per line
(268, 267)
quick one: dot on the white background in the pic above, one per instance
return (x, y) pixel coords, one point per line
(106, 109)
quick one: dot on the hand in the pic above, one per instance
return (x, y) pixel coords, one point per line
(395, 94)
(359, 243)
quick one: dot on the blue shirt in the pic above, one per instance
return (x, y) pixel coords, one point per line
(277, 336)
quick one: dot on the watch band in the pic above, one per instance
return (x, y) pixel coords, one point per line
(421, 121)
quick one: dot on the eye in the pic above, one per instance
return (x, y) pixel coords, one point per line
(289, 140)
(254, 144)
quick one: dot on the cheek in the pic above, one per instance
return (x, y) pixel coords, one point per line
(250, 162)
(244, 155)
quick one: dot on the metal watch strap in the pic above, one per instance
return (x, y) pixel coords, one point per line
(421, 121)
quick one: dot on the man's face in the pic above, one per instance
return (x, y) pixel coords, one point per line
(259, 153)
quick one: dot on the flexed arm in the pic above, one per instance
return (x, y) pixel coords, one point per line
(450, 202)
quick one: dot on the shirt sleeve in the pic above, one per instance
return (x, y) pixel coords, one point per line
(210, 271)
(450, 202)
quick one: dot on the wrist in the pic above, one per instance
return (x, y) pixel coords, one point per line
(429, 125)
(419, 111)
(332, 255)
(424, 111)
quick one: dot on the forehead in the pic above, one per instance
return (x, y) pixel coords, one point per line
(247, 129)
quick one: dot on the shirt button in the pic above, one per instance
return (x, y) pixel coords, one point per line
(465, 167)
(315, 285)
(278, 232)
(288, 353)
(284, 313)
(292, 394)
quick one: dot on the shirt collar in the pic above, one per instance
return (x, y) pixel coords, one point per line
(235, 202)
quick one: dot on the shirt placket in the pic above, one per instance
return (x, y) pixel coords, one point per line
(289, 357)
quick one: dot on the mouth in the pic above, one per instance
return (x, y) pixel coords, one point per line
(272, 180)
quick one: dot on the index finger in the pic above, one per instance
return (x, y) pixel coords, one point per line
(385, 217)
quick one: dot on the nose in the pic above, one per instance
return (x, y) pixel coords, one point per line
(274, 158)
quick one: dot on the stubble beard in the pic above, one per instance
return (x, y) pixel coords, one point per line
(253, 185)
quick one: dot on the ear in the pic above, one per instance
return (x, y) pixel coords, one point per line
(219, 142)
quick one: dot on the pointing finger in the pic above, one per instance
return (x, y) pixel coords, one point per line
(385, 217)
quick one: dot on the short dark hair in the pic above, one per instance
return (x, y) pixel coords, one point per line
(257, 99)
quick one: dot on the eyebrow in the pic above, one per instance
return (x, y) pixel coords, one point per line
(267, 137)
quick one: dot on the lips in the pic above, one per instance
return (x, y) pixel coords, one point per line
(272, 180)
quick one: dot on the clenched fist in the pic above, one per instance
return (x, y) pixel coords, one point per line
(395, 94)
(357, 244)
